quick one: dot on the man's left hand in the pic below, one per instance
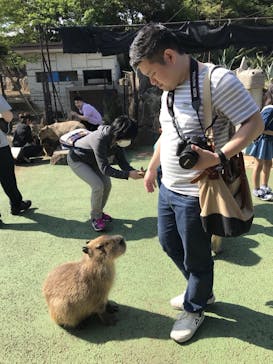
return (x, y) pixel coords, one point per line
(206, 158)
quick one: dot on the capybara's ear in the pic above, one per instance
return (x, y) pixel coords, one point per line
(85, 249)
(101, 248)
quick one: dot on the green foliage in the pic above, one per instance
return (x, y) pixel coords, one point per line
(20, 20)
(230, 57)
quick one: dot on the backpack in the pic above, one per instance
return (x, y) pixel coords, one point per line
(68, 140)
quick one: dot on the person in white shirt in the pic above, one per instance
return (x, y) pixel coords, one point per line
(158, 54)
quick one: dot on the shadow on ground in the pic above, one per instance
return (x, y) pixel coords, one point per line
(264, 211)
(240, 322)
(238, 251)
(232, 320)
(133, 323)
(131, 229)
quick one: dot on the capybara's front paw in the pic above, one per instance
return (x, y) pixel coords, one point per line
(111, 307)
(108, 319)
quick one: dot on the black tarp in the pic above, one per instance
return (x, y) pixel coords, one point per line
(195, 37)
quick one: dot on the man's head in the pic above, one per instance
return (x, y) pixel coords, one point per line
(157, 52)
(78, 101)
(25, 118)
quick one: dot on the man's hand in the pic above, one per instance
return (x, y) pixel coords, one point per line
(149, 180)
(73, 113)
(206, 158)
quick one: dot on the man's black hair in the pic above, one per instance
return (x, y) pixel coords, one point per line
(78, 98)
(124, 128)
(151, 42)
(25, 117)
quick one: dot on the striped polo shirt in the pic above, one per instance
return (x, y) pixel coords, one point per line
(231, 102)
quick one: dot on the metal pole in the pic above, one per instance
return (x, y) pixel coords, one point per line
(47, 97)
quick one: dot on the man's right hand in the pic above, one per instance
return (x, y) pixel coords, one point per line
(150, 180)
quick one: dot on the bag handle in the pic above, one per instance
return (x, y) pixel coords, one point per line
(207, 106)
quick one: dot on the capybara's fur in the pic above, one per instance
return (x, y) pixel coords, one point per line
(75, 290)
(49, 135)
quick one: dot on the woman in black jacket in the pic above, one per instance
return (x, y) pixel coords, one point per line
(89, 159)
(23, 138)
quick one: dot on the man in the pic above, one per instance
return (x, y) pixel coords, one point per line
(90, 117)
(7, 175)
(158, 54)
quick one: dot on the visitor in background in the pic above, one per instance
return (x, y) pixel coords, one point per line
(262, 150)
(7, 173)
(87, 114)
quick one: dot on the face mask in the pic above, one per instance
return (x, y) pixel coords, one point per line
(123, 143)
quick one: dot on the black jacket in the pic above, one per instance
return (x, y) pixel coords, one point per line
(22, 135)
(95, 150)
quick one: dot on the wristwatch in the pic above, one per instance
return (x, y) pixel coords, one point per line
(222, 157)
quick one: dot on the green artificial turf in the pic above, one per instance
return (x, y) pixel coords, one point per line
(238, 328)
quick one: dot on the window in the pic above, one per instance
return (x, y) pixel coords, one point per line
(58, 76)
(97, 77)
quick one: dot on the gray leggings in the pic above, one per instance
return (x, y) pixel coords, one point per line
(100, 185)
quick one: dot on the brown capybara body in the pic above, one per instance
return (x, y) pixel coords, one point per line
(49, 135)
(75, 290)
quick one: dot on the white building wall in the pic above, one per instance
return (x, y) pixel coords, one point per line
(68, 62)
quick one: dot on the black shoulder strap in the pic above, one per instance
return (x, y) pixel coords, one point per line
(195, 96)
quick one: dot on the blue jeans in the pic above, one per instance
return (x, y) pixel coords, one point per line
(182, 237)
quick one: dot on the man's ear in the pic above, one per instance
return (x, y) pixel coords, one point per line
(169, 56)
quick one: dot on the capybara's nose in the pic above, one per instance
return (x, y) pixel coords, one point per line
(85, 249)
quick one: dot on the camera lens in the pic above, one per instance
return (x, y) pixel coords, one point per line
(188, 159)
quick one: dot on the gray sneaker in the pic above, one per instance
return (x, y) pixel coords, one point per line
(262, 194)
(186, 325)
(266, 189)
(177, 302)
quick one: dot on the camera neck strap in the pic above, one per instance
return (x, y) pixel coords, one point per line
(195, 97)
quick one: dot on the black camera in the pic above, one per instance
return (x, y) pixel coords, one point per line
(188, 157)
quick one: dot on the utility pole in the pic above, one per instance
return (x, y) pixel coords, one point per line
(46, 92)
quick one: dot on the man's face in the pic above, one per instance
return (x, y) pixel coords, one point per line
(78, 103)
(164, 76)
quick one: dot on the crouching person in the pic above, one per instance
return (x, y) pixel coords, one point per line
(89, 160)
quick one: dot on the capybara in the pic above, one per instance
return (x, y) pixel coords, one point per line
(76, 290)
(49, 135)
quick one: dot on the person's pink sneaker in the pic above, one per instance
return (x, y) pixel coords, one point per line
(98, 224)
(106, 218)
